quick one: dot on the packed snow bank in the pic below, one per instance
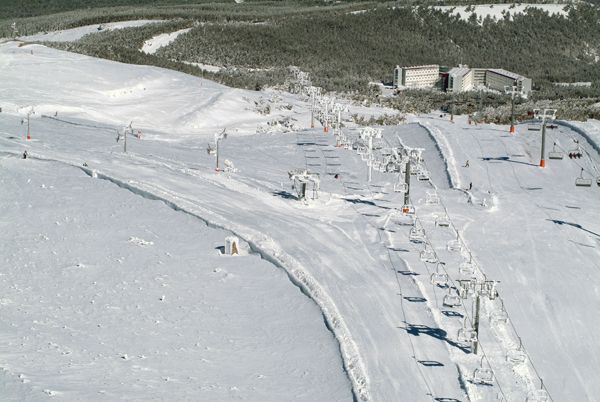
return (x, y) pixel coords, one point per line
(158, 41)
(78, 86)
(497, 11)
(107, 295)
(74, 34)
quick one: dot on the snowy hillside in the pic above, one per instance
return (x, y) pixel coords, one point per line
(497, 11)
(374, 314)
(74, 34)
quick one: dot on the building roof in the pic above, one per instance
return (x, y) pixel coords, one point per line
(459, 71)
(506, 73)
(419, 67)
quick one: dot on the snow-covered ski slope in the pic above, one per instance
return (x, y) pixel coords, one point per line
(349, 251)
(74, 34)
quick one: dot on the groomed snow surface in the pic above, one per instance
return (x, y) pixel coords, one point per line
(114, 287)
(74, 34)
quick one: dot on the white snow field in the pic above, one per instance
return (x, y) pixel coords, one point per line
(107, 295)
(349, 250)
(74, 34)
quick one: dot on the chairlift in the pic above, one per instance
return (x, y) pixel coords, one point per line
(400, 187)
(465, 287)
(534, 127)
(467, 268)
(442, 221)
(466, 334)
(577, 152)
(416, 235)
(439, 278)
(581, 182)
(488, 288)
(516, 355)
(454, 245)
(538, 395)
(432, 198)
(499, 316)
(391, 167)
(451, 299)
(554, 154)
(428, 255)
(408, 209)
(483, 375)
(423, 175)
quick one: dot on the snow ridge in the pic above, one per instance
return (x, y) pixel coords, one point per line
(445, 152)
(269, 250)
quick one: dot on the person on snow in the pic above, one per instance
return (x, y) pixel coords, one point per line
(466, 164)
(25, 154)
(470, 186)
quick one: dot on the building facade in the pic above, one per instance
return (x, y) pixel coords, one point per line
(460, 79)
(417, 76)
(498, 79)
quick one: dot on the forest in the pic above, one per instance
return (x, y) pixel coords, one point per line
(345, 51)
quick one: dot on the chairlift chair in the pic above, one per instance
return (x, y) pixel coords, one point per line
(499, 315)
(516, 356)
(416, 235)
(467, 268)
(423, 175)
(451, 299)
(442, 221)
(432, 198)
(581, 182)
(534, 127)
(428, 255)
(598, 181)
(483, 375)
(400, 187)
(466, 334)
(454, 245)
(439, 278)
(538, 395)
(554, 154)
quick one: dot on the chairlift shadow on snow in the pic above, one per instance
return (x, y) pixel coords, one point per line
(285, 194)
(415, 299)
(504, 159)
(359, 201)
(430, 363)
(408, 273)
(452, 313)
(575, 225)
(438, 333)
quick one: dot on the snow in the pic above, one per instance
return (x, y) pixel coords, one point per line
(495, 11)
(348, 251)
(162, 40)
(208, 67)
(107, 295)
(74, 34)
